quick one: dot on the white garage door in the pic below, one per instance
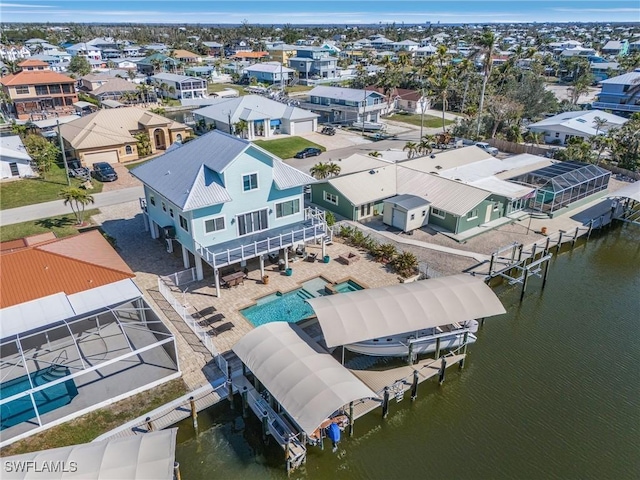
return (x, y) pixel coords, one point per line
(110, 156)
(304, 127)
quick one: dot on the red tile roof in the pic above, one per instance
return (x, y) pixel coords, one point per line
(251, 54)
(69, 265)
(38, 77)
(33, 63)
(27, 241)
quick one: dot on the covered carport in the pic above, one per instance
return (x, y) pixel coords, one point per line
(405, 307)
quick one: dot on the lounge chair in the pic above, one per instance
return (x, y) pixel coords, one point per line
(348, 258)
(311, 257)
(214, 331)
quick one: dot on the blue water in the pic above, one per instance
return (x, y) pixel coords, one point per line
(47, 400)
(291, 306)
(348, 286)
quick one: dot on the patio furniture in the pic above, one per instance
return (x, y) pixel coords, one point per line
(348, 258)
(311, 257)
(212, 319)
(234, 279)
(214, 331)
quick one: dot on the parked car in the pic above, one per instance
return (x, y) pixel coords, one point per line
(76, 170)
(328, 131)
(308, 152)
(104, 172)
(488, 148)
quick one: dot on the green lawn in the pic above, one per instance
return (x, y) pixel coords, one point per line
(218, 87)
(413, 119)
(37, 190)
(89, 426)
(62, 226)
(287, 147)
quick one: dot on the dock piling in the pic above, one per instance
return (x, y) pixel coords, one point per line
(351, 419)
(524, 282)
(546, 272)
(245, 401)
(443, 368)
(230, 387)
(547, 246)
(194, 413)
(385, 403)
(437, 348)
(265, 425)
(559, 244)
(414, 386)
(575, 237)
(176, 471)
(149, 424)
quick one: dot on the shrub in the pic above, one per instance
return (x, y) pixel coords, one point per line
(387, 252)
(330, 218)
(357, 238)
(405, 264)
(345, 232)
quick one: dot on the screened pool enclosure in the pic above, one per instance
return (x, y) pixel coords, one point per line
(57, 371)
(564, 183)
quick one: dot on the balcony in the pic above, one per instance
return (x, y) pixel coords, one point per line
(616, 106)
(263, 243)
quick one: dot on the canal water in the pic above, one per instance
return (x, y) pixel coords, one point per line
(551, 390)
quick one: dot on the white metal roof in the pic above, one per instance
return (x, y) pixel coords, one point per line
(149, 456)
(286, 176)
(448, 159)
(631, 191)
(581, 122)
(408, 202)
(406, 307)
(55, 308)
(367, 186)
(502, 187)
(624, 79)
(308, 382)
(341, 93)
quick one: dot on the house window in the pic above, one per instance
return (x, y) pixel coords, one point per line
(250, 182)
(285, 209)
(164, 207)
(183, 223)
(330, 197)
(424, 213)
(473, 214)
(22, 89)
(496, 207)
(253, 222)
(152, 200)
(438, 213)
(128, 150)
(214, 225)
(557, 134)
(171, 212)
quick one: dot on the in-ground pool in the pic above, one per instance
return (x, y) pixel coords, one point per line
(47, 400)
(291, 306)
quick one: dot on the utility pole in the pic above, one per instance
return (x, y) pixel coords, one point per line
(64, 155)
(364, 109)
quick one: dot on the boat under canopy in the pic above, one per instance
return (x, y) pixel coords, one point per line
(407, 307)
(305, 380)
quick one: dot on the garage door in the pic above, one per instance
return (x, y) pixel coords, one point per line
(110, 156)
(304, 127)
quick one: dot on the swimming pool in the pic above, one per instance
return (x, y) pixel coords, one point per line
(47, 400)
(291, 306)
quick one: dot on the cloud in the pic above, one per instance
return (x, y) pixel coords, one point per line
(24, 5)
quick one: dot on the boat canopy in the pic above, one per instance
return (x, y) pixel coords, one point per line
(631, 191)
(308, 382)
(151, 455)
(407, 307)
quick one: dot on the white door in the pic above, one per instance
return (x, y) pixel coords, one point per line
(305, 126)
(110, 157)
(399, 219)
(487, 216)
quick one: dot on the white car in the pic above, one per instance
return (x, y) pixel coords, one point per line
(488, 148)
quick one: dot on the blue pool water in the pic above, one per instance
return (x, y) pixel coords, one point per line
(47, 400)
(291, 306)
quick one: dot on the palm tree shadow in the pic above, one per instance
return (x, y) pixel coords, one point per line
(61, 222)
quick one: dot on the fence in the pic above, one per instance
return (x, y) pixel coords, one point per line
(621, 171)
(181, 310)
(512, 147)
(181, 278)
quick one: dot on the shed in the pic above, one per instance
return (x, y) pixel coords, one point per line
(16, 162)
(406, 212)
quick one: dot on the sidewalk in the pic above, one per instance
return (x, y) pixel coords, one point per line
(57, 207)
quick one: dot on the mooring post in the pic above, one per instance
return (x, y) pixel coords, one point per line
(443, 369)
(149, 424)
(524, 282)
(410, 357)
(493, 257)
(575, 237)
(590, 228)
(520, 248)
(559, 241)
(464, 349)
(513, 251)
(230, 387)
(547, 246)
(176, 471)
(245, 401)
(414, 386)
(286, 454)
(194, 412)
(351, 419)
(265, 425)
(385, 402)
(534, 247)
(482, 322)
(546, 271)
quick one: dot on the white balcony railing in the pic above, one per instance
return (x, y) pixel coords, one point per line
(616, 106)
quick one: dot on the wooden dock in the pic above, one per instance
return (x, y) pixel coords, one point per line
(398, 380)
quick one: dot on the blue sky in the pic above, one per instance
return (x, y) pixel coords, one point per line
(318, 11)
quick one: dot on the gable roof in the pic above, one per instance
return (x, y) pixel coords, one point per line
(173, 77)
(115, 85)
(366, 186)
(13, 149)
(251, 107)
(582, 122)
(33, 63)
(189, 176)
(268, 67)
(69, 265)
(630, 78)
(184, 54)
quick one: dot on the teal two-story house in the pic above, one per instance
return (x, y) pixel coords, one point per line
(225, 201)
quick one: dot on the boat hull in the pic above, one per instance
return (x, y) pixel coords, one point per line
(399, 346)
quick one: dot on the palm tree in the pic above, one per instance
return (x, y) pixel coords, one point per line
(320, 171)
(534, 137)
(487, 43)
(599, 122)
(240, 127)
(143, 90)
(465, 70)
(412, 149)
(425, 147)
(375, 154)
(77, 199)
(333, 169)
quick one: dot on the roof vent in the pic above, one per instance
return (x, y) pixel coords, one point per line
(433, 155)
(372, 172)
(168, 172)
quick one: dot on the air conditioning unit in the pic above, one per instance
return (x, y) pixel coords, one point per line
(169, 232)
(169, 245)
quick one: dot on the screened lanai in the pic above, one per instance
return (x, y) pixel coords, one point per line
(57, 363)
(564, 183)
